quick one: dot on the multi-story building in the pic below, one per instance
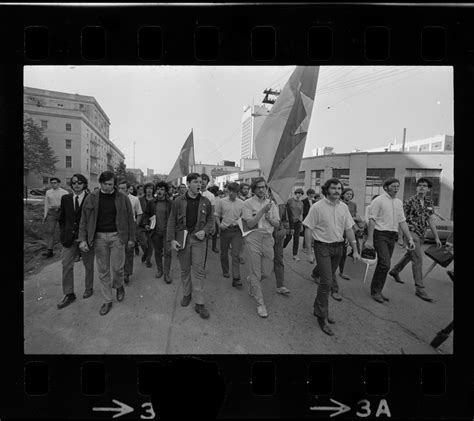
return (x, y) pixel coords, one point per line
(77, 129)
(438, 143)
(252, 119)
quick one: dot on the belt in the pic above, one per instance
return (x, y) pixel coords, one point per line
(337, 243)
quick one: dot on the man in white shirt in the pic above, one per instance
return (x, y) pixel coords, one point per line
(326, 223)
(52, 203)
(69, 220)
(385, 217)
(228, 211)
(124, 187)
(260, 215)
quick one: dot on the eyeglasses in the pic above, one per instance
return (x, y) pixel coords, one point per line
(77, 182)
(261, 187)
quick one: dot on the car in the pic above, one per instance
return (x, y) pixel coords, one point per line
(38, 192)
(444, 227)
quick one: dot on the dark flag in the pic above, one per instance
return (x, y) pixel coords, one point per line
(185, 160)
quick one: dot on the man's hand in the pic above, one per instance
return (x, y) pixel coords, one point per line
(369, 244)
(411, 244)
(84, 247)
(267, 207)
(131, 244)
(175, 245)
(292, 232)
(401, 242)
(356, 255)
(438, 243)
(222, 226)
(147, 227)
(200, 235)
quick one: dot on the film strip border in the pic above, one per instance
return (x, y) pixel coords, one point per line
(235, 34)
(315, 387)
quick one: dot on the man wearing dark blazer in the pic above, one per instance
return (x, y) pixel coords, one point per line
(69, 219)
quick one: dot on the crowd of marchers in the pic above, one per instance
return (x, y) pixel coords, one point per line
(115, 222)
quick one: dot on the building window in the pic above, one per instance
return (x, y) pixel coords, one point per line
(68, 161)
(68, 127)
(316, 180)
(44, 124)
(374, 181)
(45, 180)
(81, 106)
(68, 143)
(413, 174)
(437, 146)
(425, 147)
(60, 105)
(341, 174)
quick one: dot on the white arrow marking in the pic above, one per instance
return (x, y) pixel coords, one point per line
(341, 408)
(122, 410)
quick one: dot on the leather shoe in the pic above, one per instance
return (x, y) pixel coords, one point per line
(424, 296)
(186, 300)
(325, 327)
(226, 275)
(148, 264)
(144, 257)
(105, 308)
(344, 276)
(384, 297)
(159, 274)
(88, 293)
(336, 296)
(236, 283)
(167, 279)
(215, 250)
(126, 279)
(202, 310)
(396, 276)
(68, 299)
(331, 320)
(377, 297)
(137, 250)
(48, 254)
(120, 293)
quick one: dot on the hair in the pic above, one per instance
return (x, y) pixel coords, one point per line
(346, 190)
(124, 182)
(106, 176)
(182, 185)
(244, 184)
(54, 179)
(152, 185)
(299, 190)
(233, 187)
(80, 177)
(253, 186)
(424, 180)
(213, 190)
(374, 197)
(162, 184)
(310, 191)
(327, 184)
(192, 176)
(205, 177)
(317, 196)
(389, 181)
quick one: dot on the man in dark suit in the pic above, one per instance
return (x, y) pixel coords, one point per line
(69, 219)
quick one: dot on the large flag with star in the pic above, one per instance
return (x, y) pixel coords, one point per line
(280, 142)
(185, 160)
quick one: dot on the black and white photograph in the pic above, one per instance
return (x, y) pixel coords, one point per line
(238, 210)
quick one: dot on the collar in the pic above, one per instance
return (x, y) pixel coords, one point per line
(79, 195)
(330, 203)
(390, 197)
(187, 196)
(113, 191)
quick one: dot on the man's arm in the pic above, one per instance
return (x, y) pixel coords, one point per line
(274, 217)
(62, 215)
(131, 220)
(84, 219)
(209, 227)
(170, 228)
(46, 204)
(252, 222)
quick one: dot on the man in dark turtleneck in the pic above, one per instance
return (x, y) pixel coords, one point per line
(107, 223)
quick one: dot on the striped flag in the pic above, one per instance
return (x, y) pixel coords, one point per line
(280, 142)
(185, 160)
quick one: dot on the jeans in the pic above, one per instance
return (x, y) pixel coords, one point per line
(317, 274)
(214, 236)
(384, 243)
(110, 257)
(278, 265)
(128, 265)
(259, 246)
(191, 260)
(231, 236)
(296, 237)
(52, 221)
(69, 257)
(327, 258)
(160, 244)
(416, 257)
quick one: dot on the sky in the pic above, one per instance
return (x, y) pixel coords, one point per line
(152, 109)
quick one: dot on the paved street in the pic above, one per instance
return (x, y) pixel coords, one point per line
(151, 320)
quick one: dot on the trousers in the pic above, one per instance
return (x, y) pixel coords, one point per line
(231, 237)
(161, 245)
(52, 222)
(384, 243)
(69, 257)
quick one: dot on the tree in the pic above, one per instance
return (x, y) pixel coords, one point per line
(121, 170)
(131, 178)
(38, 156)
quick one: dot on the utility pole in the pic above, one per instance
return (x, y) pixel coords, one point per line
(133, 154)
(404, 138)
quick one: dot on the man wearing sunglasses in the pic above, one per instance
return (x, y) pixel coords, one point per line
(69, 219)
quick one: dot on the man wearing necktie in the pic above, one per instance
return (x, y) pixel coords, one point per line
(69, 219)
